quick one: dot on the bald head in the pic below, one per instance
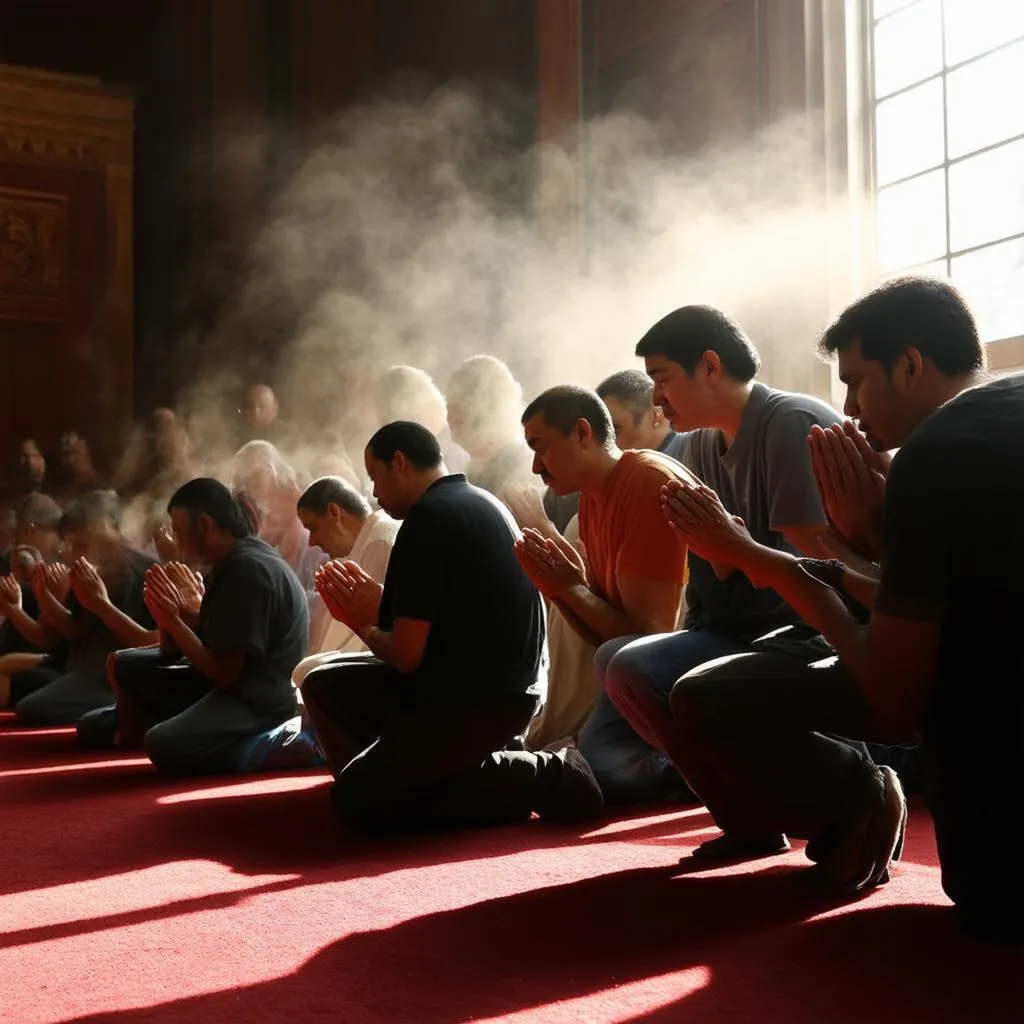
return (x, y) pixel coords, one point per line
(260, 405)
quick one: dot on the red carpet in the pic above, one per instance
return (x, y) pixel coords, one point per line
(130, 899)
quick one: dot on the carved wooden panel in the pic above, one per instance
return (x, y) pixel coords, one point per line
(65, 259)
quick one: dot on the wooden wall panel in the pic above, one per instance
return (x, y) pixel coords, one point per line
(65, 258)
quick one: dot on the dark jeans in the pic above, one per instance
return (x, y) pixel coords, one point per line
(186, 725)
(757, 739)
(403, 764)
(57, 699)
(626, 739)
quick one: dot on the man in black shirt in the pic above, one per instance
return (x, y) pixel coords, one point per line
(240, 641)
(456, 635)
(939, 655)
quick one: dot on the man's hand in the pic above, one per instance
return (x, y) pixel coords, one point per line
(56, 580)
(527, 507)
(851, 483)
(552, 564)
(10, 592)
(703, 524)
(352, 596)
(188, 583)
(88, 585)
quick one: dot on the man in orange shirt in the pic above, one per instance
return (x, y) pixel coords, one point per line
(631, 581)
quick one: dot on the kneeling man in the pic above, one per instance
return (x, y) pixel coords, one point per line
(456, 635)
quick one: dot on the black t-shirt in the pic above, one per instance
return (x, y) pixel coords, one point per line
(454, 565)
(954, 553)
(254, 605)
(88, 653)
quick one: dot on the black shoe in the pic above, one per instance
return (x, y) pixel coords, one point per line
(860, 857)
(730, 847)
(576, 796)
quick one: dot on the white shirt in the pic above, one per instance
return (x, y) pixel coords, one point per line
(371, 552)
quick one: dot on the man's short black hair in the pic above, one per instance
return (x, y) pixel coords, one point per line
(205, 496)
(333, 490)
(39, 510)
(926, 312)
(413, 440)
(688, 332)
(91, 509)
(633, 388)
(564, 406)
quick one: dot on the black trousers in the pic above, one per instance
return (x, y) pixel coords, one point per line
(403, 765)
(757, 737)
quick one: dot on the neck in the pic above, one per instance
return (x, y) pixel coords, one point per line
(600, 467)
(426, 479)
(218, 548)
(658, 436)
(731, 400)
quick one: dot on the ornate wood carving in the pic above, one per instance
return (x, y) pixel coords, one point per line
(65, 255)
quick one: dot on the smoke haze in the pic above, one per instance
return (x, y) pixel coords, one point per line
(410, 236)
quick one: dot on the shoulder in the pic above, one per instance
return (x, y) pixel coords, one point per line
(647, 470)
(383, 529)
(787, 408)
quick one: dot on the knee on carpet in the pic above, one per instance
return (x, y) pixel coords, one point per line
(167, 750)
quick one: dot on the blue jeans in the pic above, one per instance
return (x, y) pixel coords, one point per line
(630, 729)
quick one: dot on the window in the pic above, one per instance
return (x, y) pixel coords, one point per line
(948, 93)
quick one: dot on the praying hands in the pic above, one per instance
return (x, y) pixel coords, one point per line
(851, 482)
(351, 595)
(164, 598)
(552, 564)
(702, 523)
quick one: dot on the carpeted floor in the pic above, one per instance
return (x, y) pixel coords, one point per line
(130, 898)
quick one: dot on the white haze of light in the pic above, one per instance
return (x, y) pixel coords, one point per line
(405, 238)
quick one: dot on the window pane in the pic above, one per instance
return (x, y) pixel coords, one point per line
(912, 221)
(908, 47)
(993, 281)
(883, 7)
(974, 26)
(909, 132)
(986, 196)
(983, 101)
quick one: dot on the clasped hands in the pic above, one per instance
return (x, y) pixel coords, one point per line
(552, 564)
(173, 593)
(697, 515)
(850, 476)
(351, 595)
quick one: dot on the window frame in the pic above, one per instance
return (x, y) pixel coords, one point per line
(1004, 354)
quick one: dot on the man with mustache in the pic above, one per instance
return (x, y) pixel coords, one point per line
(631, 582)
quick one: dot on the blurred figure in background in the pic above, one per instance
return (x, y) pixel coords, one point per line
(410, 394)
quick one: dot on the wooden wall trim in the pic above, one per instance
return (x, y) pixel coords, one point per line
(559, 33)
(625, 25)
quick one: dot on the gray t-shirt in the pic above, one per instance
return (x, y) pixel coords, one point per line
(89, 652)
(254, 605)
(765, 477)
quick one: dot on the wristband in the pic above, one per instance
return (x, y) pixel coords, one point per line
(829, 571)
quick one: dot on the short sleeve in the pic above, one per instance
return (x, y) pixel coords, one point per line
(917, 550)
(651, 550)
(791, 488)
(236, 614)
(417, 570)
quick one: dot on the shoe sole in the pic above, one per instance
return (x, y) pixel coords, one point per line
(862, 860)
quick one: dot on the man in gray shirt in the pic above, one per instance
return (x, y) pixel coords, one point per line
(749, 443)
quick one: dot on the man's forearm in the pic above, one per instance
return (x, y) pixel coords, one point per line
(815, 602)
(579, 627)
(34, 632)
(124, 627)
(57, 615)
(202, 659)
(603, 620)
(384, 644)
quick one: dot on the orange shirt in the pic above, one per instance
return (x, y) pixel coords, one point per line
(624, 532)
